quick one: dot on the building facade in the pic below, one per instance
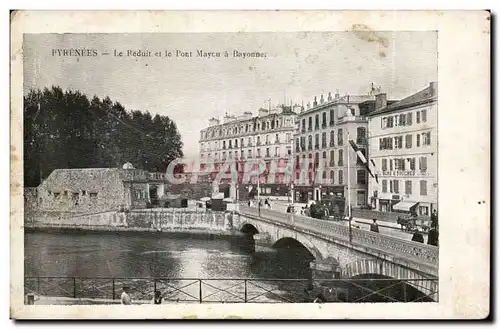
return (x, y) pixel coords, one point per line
(403, 146)
(323, 134)
(92, 190)
(267, 136)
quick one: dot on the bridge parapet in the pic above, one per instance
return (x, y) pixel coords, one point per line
(383, 246)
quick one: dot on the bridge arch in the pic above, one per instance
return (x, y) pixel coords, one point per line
(377, 269)
(310, 253)
(248, 228)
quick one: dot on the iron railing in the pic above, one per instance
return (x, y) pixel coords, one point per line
(233, 290)
(419, 252)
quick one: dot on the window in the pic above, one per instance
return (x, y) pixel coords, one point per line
(223, 144)
(316, 141)
(423, 210)
(93, 195)
(83, 192)
(332, 177)
(258, 153)
(277, 152)
(398, 142)
(423, 187)
(340, 138)
(395, 186)
(426, 138)
(391, 186)
(268, 154)
(272, 125)
(310, 123)
(250, 153)
(408, 187)
(316, 121)
(409, 118)
(361, 135)
(323, 140)
(418, 139)
(418, 117)
(303, 125)
(384, 164)
(310, 142)
(424, 115)
(408, 140)
(324, 154)
(341, 158)
(230, 154)
(267, 139)
(422, 163)
(332, 158)
(390, 122)
(242, 154)
(276, 139)
(361, 176)
(384, 186)
(324, 175)
(235, 154)
(402, 119)
(332, 138)
(399, 164)
(235, 143)
(249, 142)
(297, 145)
(412, 163)
(341, 177)
(258, 140)
(390, 164)
(332, 115)
(323, 124)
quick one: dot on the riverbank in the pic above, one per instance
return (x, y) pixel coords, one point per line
(182, 231)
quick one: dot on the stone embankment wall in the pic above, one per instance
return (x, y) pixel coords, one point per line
(151, 219)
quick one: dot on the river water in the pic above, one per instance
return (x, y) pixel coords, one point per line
(144, 255)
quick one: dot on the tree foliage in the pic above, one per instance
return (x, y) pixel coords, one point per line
(64, 129)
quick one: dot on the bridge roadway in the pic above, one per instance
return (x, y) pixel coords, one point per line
(340, 253)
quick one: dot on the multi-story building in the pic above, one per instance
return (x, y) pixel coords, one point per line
(403, 146)
(268, 136)
(324, 131)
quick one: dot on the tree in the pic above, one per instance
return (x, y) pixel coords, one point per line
(63, 129)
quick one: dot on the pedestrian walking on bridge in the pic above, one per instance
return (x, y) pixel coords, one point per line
(374, 226)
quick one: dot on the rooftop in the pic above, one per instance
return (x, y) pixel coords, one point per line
(427, 95)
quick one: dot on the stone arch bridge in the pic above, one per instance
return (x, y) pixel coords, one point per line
(343, 253)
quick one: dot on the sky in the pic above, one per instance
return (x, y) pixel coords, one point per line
(190, 90)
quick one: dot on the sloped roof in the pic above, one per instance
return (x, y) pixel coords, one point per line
(89, 179)
(426, 95)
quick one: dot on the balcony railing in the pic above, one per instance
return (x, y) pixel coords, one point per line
(107, 290)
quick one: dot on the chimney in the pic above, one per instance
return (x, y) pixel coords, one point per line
(434, 88)
(380, 101)
(263, 112)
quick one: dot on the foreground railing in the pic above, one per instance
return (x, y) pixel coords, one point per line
(391, 245)
(244, 290)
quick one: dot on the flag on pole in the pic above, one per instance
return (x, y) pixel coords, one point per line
(363, 159)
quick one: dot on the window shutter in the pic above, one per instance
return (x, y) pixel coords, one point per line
(424, 115)
(390, 164)
(409, 118)
(390, 186)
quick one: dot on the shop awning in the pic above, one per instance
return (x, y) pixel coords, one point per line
(404, 205)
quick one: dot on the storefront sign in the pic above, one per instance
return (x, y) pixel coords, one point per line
(405, 173)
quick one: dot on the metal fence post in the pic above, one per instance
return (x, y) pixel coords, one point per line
(113, 285)
(405, 292)
(38, 286)
(74, 287)
(245, 290)
(154, 286)
(201, 295)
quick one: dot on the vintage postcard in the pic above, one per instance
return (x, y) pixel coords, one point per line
(251, 165)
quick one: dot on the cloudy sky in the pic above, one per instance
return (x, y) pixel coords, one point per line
(190, 90)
